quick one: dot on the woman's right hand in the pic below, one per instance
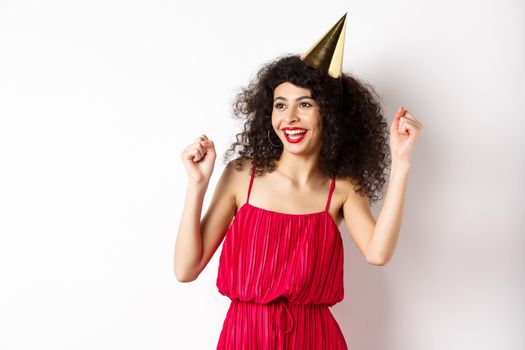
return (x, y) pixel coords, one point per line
(199, 159)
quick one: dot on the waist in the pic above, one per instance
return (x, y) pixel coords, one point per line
(279, 300)
(284, 312)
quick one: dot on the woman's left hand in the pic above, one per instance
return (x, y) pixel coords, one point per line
(404, 131)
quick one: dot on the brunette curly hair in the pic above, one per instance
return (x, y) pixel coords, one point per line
(355, 134)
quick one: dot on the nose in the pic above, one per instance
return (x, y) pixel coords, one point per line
(291, 115)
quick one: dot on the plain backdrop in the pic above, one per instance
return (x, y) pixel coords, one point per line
(99, 98)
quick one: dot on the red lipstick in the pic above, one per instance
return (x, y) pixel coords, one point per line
(294, 137)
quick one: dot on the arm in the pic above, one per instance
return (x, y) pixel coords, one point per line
(377, 240)
(197, 240)
(404, 132)
(386, 233)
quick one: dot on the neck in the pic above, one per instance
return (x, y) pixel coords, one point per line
(300, 169)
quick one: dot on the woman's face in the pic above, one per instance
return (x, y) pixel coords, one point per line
(294, 109)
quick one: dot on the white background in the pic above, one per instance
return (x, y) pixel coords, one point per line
(98, 99)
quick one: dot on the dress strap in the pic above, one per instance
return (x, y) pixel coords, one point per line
(251, 182)
(332, 185)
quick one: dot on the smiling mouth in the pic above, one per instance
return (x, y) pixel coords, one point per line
(294, 136)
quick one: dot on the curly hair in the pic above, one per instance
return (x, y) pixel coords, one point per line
(354, 134)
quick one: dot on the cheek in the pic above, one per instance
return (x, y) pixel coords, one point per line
(273, 120)
(275, 123)
(319, 124)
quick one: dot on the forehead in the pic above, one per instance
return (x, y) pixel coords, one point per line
(289, 89)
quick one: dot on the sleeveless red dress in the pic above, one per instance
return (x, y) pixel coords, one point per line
(282, 272)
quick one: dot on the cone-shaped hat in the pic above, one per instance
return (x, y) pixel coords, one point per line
(327, 53)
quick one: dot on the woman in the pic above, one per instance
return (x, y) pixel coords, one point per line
(311, 141)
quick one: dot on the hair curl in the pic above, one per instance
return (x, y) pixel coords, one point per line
(355, 134)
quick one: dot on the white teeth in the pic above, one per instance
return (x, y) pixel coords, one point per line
(293, 132)
(295, 137)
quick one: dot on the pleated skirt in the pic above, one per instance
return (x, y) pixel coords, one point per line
(280, 325)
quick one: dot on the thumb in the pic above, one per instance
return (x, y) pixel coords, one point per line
(395, 122)
(208, 144)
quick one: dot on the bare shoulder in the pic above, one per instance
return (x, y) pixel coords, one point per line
(345, 195)
(355, 210)
(238, 170)
(345, 190)
(241, 165)
(233, 173)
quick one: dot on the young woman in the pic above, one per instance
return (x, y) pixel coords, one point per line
(312, 154)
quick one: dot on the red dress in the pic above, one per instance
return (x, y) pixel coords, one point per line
(282, 272)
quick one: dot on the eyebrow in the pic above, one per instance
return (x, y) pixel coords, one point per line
(297, 99)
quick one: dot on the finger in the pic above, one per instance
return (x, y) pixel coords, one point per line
(195, 145)
(197, 155)
(205, 143)
(208, 145)
(413, 120)
(200, 138)
(397, 116)
(410, 121)
(414, 124)
(399, 113)
(406, 126)
(191, 154)
(402, 125)
(192, 145)
(201, 149)
(194, 153)
(200, 144)
(410, 116)
(412, 128)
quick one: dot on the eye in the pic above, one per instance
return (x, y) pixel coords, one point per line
(278, 104)
(306, 103)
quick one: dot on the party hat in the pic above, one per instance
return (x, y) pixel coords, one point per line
(327, 53)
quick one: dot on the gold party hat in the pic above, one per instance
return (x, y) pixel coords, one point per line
(327, 53)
